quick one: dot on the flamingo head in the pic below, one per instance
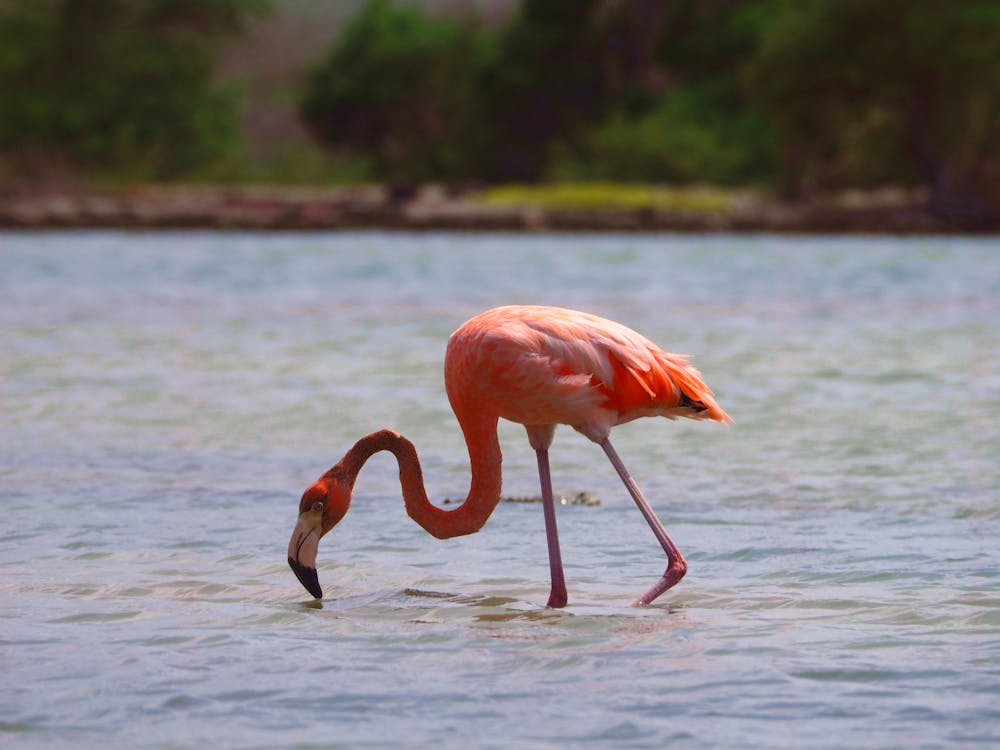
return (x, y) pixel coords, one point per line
(321, 508)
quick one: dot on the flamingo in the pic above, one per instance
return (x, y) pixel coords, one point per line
(538, 366)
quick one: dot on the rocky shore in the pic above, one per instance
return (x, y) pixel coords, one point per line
(433, 208)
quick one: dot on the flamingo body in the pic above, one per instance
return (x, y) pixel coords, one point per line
(547, 365)
(540, 367)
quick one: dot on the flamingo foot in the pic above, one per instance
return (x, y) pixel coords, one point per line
(674, 573)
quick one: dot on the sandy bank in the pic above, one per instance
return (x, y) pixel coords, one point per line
(276, 208)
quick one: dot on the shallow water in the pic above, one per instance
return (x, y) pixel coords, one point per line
(167, 397)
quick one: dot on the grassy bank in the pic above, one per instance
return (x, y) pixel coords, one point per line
(611, 196)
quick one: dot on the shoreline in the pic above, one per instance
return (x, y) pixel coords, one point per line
(433, 208)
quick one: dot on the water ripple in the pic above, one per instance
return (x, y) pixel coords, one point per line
(166, 398)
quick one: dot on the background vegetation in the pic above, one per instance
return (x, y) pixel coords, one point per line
(117, 85)
(796, 95)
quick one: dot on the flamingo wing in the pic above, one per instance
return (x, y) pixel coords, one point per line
(547, 365)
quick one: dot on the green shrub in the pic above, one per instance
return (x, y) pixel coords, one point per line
(687, 138)
(863, 91)
(119, 85)
(400, 87)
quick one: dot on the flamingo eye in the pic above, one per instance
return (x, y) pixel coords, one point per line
(318, 505)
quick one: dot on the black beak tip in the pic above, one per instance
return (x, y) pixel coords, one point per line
(307, 577)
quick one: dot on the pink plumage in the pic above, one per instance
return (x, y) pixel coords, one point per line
(548, 365)
(539, 366)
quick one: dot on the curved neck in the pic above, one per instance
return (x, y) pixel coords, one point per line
(484, 489)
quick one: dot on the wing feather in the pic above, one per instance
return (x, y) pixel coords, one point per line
(565, 365)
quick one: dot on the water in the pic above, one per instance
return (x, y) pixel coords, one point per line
(167, 397)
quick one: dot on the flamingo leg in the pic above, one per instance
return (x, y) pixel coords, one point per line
(557, 596)
(676, 564)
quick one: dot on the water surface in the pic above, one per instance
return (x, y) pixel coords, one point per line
(167, 397)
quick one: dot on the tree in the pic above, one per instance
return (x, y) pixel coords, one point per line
(870, 90)
(121, 85)
(678, 111)
(545, 82)
(610, 88)
(400, 87)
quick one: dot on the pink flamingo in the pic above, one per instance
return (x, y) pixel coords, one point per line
(539, 366)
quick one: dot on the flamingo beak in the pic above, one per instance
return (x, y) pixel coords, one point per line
(302, 549)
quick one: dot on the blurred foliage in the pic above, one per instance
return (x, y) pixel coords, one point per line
(401, 88)
(118, 85)
(869, 91)
(688, 137)
(800, 95)
(546, 81)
